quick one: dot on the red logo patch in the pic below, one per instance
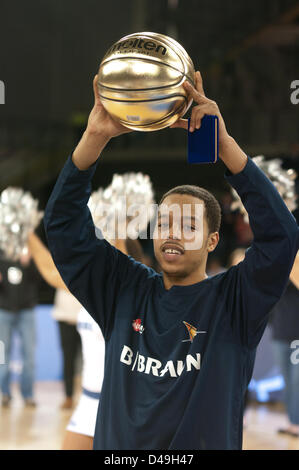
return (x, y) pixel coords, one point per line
(137, 326)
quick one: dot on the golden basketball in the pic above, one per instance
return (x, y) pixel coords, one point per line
(140, 81)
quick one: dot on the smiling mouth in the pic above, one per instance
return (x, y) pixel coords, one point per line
(171, 249)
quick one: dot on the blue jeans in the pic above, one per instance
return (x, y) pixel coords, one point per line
(24, 322)
(290, 373)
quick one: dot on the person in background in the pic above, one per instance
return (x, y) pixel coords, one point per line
(65, 312)
(19, 282)
(242, 230)
(214, 266)
(285, 329)
(236, 257)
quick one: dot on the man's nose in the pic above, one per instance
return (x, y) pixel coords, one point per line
(175, 231)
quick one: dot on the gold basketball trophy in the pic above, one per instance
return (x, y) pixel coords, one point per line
(140, 81)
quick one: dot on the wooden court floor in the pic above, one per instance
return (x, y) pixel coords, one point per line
(43, 427)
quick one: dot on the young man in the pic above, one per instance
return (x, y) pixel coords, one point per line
(179, 346)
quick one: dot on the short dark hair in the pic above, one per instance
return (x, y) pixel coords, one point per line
(213, 210)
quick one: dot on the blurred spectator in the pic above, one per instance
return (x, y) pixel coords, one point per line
(236, 257)
(18, 297)
(243, 231)
(214, 266)
(65, 311)
(227, 239)
(285, 329)
(292, 161)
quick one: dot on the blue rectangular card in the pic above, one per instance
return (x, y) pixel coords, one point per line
(203, 146)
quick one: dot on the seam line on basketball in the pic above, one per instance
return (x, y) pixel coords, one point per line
(143, 101)
(140, 89)
(146, 59)
(153, 122)
(149, 60)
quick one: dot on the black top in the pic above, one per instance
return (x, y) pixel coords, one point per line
(18, 285)
(177, 361)
(285, 315)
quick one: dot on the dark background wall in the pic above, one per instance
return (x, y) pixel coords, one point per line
(50, 50)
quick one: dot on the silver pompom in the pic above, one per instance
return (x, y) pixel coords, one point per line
(19, 216)
(283, 180)
(128, 196)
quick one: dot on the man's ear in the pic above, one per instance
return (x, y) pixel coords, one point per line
(213, 240)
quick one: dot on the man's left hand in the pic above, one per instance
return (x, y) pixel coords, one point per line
(204, 106)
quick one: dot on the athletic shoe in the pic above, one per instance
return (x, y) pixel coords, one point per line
(67, 404)
(30, 403)
(5, 401)
(288, 432)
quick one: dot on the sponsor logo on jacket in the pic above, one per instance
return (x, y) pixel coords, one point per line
(149, 365)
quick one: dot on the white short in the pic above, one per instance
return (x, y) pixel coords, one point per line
(83, 420)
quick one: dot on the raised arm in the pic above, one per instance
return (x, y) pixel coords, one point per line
(44, 262)
(229, 151)
(100, 129)
(92, 269)
(257, 283)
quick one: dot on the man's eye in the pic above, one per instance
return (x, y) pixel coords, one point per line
(189, 228)
(162, 225)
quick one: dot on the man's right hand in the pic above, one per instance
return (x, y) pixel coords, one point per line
(100, 121)
(101, 127)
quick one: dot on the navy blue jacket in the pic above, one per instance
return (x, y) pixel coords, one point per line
(161, 391)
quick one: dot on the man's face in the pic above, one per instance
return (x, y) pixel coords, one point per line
(182, 240)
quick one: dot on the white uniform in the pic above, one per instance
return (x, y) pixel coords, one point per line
(66, 307)
(83, 419)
